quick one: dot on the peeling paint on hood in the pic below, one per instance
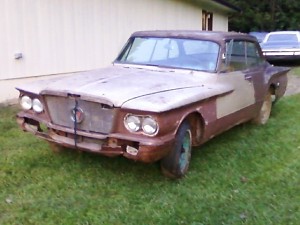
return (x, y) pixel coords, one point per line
(122, 86)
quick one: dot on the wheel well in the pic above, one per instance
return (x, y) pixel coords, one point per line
(196, 122)
(272, 89)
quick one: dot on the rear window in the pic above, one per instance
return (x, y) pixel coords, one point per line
(282, 37)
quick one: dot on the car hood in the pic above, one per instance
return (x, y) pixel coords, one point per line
(135, 88)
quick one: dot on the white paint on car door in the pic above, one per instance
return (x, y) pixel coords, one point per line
(242, 96)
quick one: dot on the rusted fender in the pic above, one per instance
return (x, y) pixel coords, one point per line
(275, 71)
(277, 77)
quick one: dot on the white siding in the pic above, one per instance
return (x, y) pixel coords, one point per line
(220, 22)
(60, 36)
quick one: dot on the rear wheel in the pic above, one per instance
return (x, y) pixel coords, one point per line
(265, 111)
(176, 163)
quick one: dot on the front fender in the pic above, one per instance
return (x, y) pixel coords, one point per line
(172, 99)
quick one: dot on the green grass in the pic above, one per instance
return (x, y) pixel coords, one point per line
(295, 71)
(295, 67)
(248, 175)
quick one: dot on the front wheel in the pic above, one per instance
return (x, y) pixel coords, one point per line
(265, 111)
(176, 163)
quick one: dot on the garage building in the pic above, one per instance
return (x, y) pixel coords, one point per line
(44, 38)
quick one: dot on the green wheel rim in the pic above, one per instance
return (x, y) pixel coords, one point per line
(185, 152)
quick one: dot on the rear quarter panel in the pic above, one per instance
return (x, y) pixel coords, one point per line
(276, 77)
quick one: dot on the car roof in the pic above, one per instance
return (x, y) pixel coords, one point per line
(217, 36)
(266, 39)
(284, 32)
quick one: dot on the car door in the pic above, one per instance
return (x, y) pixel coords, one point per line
(239, 76)
(255, 69)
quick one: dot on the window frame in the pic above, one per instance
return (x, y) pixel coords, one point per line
(237, 64)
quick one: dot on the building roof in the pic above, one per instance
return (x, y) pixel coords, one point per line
(221, 4)
(227, 4)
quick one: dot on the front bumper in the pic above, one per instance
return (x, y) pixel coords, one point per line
(144, 149)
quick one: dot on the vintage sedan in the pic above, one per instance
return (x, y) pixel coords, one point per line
(166, 92)
(282, 46)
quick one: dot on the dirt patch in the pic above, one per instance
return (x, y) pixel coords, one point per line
(293, 86)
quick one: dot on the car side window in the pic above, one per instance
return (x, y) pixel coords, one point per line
(235, 55)
(253, 56)
(241, 55)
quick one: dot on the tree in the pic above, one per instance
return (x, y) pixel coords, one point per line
(265, 15)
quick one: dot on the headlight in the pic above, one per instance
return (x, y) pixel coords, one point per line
(149, 126)
(141, 123)
(26, 102)
(37, 105)
(132, 123)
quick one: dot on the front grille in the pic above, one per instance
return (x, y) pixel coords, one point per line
(97, 117)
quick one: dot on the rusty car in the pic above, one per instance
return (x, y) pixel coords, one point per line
(166, 92)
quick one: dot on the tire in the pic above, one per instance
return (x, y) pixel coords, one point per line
(265, 111)
(175, 165)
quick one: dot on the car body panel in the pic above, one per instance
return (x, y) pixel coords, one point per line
(242, 96)
(120, 86)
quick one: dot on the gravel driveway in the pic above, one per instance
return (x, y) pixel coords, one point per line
(293, 86)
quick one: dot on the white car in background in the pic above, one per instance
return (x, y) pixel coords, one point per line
(281, 46)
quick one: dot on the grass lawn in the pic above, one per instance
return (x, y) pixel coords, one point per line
(295, 67)
(248, 175)
(296, 71)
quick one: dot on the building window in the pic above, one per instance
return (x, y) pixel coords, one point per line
(207, 20)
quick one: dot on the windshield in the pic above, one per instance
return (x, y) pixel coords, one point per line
(171, 52)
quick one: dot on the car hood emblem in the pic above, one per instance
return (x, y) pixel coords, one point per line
(77, 115)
